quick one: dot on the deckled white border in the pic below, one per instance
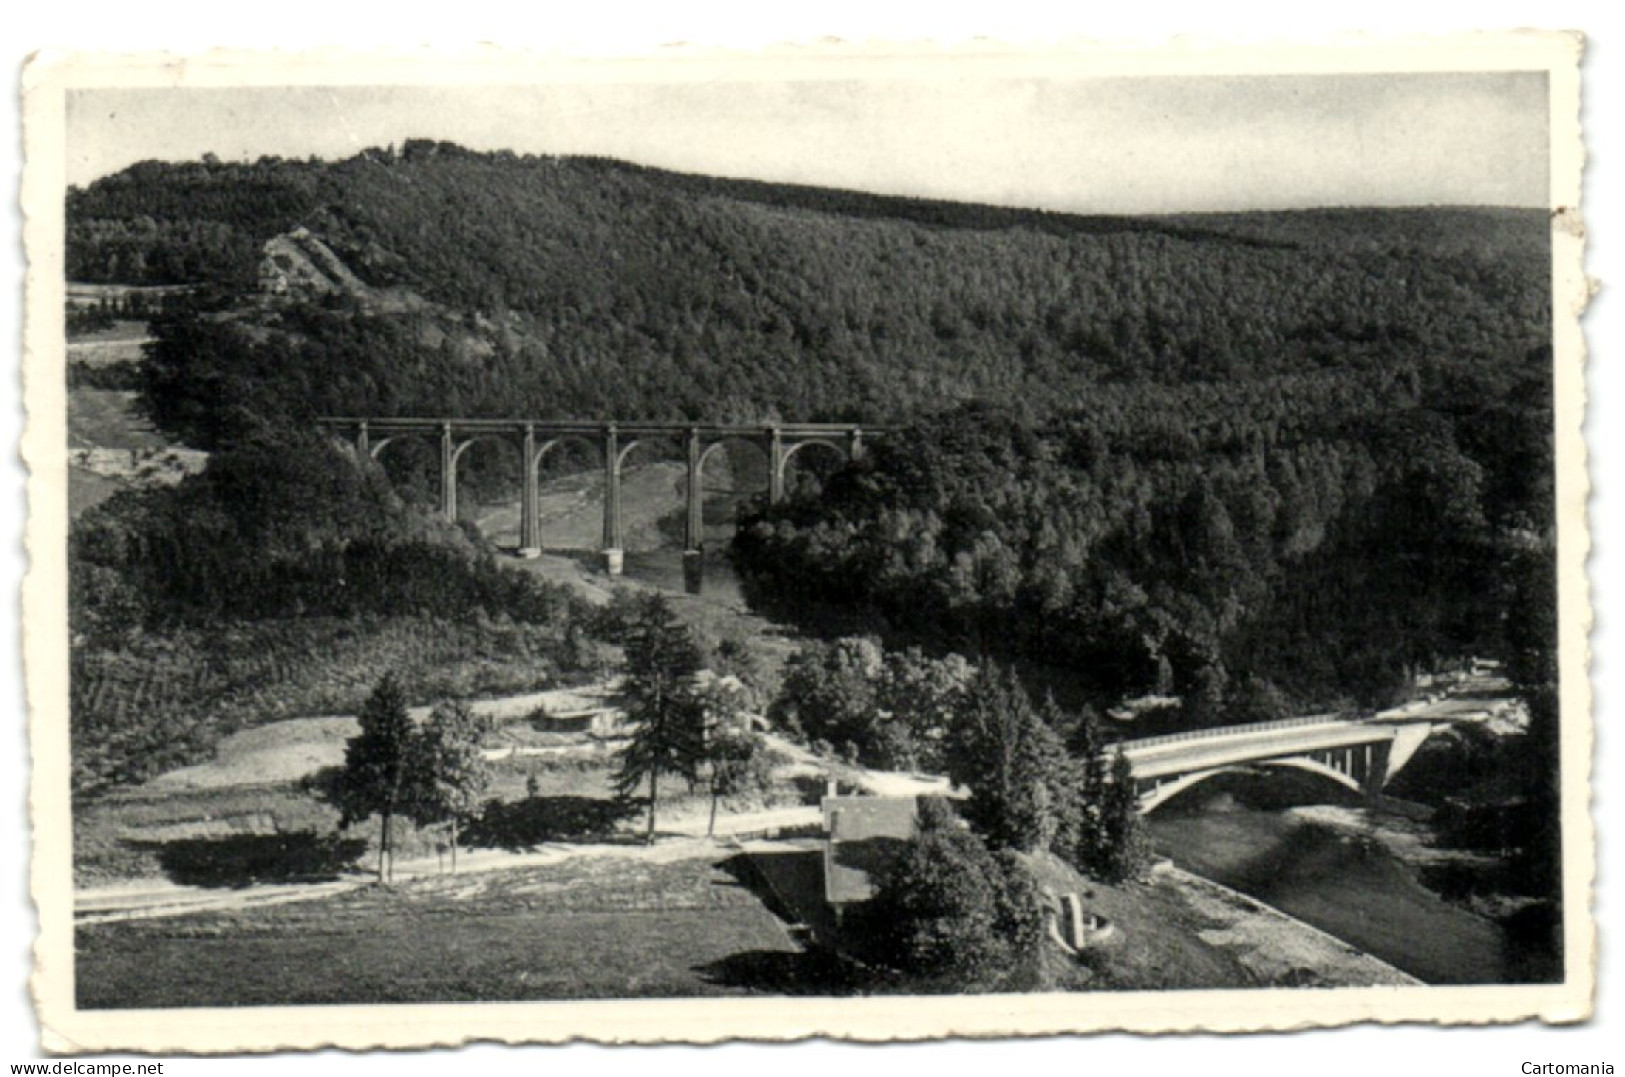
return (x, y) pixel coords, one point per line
(709, 1020)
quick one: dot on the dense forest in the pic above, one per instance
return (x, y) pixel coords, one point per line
(1256, 461)
(1251, 568)
(594, 289)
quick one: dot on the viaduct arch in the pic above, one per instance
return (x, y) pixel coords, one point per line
(611, 442)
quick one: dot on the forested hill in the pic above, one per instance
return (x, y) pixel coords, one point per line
(587, 287)
(1268, 462)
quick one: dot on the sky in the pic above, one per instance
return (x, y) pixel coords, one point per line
(1106, 145)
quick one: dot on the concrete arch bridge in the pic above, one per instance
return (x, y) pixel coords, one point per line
(611, 442)
(1362, 755)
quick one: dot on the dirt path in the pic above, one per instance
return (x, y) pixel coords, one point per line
(682, 839)
(882, 783)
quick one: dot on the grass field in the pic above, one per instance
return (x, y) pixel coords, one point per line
(214, 825)
(148, 837)
(106, 418)
(121, 342)
(589, 928)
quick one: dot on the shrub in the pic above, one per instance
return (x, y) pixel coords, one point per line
(1256, 699)
(888, 710)
(949, 911)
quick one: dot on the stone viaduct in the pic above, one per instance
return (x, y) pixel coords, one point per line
(611, 442)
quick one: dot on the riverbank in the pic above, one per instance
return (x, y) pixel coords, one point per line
(1344, 881)
(1281, 950)
(1175, 931)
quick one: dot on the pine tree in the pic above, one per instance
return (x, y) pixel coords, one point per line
(661, 705)
(377, 766)
(1111, 842)
(1127, 849)
(1010, 761)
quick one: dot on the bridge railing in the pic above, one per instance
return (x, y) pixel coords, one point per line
(1230, 731)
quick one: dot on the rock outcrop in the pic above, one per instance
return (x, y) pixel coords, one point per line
(298, 265)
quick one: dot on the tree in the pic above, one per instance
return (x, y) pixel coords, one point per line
(1532, 665)
(1012, 763)
(668, 734)
(889, 710)
(829, 694)
(448, 771)
(732, 657)
(378, 767)
(1096, 809)
(920, 696)
(950, 910)
(1256, 699)
(1112, 844)
(732, 753)
(1076, 804)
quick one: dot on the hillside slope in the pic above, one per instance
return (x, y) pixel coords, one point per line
(1223, 455)
(596, 288)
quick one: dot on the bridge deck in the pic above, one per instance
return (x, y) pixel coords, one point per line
(414, 424)
(1157, 757)
(1258, 748)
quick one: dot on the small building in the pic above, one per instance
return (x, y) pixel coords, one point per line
(600, 723)
(864, 835)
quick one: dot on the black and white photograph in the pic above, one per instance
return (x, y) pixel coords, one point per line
(875, 543)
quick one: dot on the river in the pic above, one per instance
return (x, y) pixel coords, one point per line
(1337, 870)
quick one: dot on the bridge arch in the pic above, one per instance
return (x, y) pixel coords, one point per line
(376, 446)
(414, 464)
(511, 448)
(1164, 791)
(562, 441)
(466, 443)
(656, 443)
(1317, 768)
(790, 451)
(733, 441)
(700, 452)
(617, 447)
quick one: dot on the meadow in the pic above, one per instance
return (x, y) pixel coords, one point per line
(611, 927)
